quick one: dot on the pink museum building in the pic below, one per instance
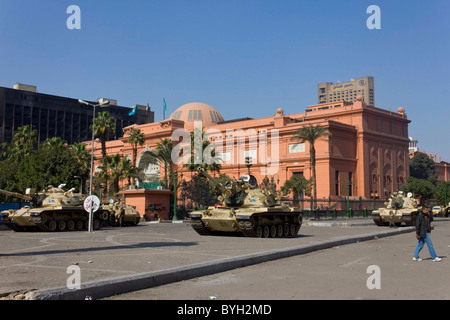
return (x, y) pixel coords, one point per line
(365, 156)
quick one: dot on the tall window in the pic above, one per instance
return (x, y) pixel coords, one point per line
(336, 178)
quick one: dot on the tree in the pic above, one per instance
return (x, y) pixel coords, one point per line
(22, 144)
(297, 184)
(311, 134)
(104, 126)
(422, 166)
(115, 171)
(419, 187)
(194, 165)
(53, 163)
(198, 191)
(103, 175)
(82, 158)
(443, 193)
(163, 152)
(129, 171)
(136, 138)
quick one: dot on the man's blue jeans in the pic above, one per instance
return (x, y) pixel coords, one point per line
(420, 245)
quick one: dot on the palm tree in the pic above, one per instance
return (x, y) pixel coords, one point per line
(22, 144)
(129, 170)
(104, 126)
(163, 152)
(103, 174)
(297, 184)
(115, 171)
(136, 138)
(311, 134)
(193, 166)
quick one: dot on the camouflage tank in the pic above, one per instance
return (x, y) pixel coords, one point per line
(52, 209)
(399, 209)
(247, 210)
(122, 214)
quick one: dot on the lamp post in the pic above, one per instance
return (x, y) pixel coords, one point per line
(102, 104)
(175, 196)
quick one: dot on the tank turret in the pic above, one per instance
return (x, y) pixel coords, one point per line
(248, 210)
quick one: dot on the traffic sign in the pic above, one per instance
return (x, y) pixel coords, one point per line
(95, 203)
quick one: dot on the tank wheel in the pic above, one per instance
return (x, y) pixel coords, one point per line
(51, 225)
(44, 218)
(79, 225)
(273, 231)
(258, 231)
(61, 225)
(297, 228)
(279, 231)
(70, 225)
(286, 230)
(96, 224)
(266, 232)
(292, 230)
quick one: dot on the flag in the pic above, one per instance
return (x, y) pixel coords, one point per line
(133, 111)
(148, 108)
(165, 107)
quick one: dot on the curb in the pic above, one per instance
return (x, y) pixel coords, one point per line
(333, 223)
(118, 285)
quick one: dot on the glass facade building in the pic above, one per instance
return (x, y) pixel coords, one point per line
(55, 116)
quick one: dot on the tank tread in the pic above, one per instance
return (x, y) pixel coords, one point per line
(282, 230)
(199, 226)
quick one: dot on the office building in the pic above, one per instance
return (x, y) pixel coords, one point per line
(55, 116)
(347, 91)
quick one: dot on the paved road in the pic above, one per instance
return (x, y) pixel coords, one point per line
(39, 260)
(336, 273)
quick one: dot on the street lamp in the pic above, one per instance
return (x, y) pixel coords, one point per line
(100, 104)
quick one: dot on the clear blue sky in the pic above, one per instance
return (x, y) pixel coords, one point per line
(245, 58)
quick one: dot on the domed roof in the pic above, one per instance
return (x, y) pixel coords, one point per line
(197, 111)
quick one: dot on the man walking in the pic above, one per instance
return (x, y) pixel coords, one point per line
(423, 230)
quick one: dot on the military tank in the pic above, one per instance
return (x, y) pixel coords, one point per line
(52, 209)
(398, 209)
(121, 213)
(247, 210)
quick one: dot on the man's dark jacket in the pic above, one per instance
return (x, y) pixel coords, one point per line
(423, 224)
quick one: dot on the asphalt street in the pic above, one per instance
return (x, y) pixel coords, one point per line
(336, 273)
(31, 261)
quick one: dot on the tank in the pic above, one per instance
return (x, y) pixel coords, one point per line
(52, 209)
(247, 210)
(398, 209)
(122, 214)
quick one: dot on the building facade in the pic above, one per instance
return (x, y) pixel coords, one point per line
(348, 91)
(55, 116)
(366, 155)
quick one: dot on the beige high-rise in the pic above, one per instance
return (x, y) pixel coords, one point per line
(347, 91)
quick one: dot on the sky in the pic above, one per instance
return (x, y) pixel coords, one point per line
(246, 58)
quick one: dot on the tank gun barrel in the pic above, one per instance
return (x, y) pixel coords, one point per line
(16, 195)
(214, 182)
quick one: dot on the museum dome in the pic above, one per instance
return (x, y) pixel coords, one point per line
(197, 111)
